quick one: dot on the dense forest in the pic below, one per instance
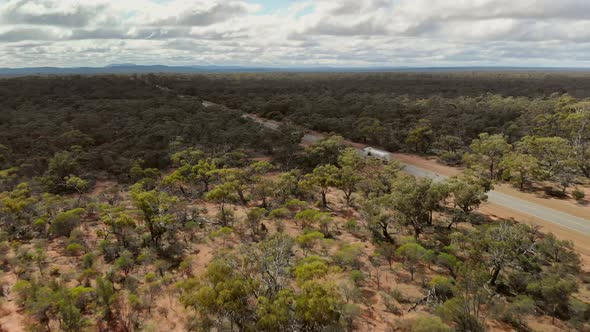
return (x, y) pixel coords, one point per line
(105, 124)
(126, 205)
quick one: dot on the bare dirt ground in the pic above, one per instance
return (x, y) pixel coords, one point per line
(102, 186)
(11, 318)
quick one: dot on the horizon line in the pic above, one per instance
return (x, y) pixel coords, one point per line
(116, 65)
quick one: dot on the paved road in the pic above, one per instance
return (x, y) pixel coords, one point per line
(528, 208)
(538, 211)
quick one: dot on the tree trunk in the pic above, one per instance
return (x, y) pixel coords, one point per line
(223, 218)
(453, 221)
(242, 198)
(264, 204)
(348, 196)
(182, 190)
(452, 273)
(151, 229)
(324, 200)
(417, 232)
(386, 234)
(495, 276)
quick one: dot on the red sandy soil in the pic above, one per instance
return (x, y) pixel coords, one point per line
(102, 186)
(11, 318)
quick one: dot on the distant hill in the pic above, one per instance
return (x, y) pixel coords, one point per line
(122, 69)
(128, 68)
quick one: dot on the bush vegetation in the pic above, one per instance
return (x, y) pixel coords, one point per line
(124, 207)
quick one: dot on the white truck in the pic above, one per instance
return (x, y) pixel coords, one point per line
(376, 153)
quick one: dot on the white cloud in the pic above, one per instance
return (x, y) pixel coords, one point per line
(49, 12)
(306, 32)
(203, 13)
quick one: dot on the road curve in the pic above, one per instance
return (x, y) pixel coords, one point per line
(553, 216)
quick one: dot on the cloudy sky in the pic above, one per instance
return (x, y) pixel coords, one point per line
(295, 32)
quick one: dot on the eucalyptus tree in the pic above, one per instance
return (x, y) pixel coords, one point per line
(487, 153)
(322, 179)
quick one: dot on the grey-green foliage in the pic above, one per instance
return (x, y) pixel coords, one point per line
(65, 222)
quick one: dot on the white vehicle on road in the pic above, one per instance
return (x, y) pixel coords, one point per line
(376, 153)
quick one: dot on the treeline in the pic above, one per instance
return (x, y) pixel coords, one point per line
(388, 109)
(92, 127)
(425, 84)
